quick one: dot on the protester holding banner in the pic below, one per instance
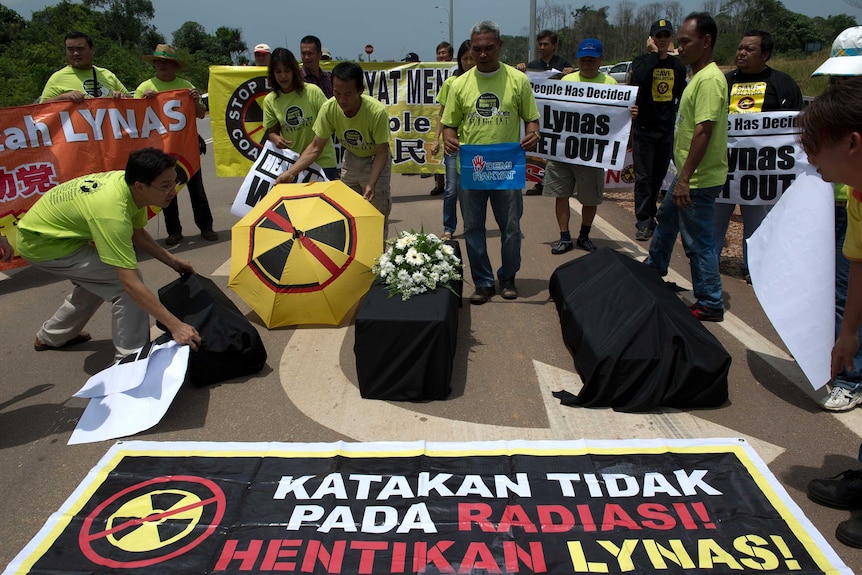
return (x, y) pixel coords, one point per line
(81, 79)
(831, 134)
(485, 106)
(754, 87)
(546, 41)
(700, 154)
(86, 230)
(846, 386)
(361, 123)
(453, 186)
(311, 54)
(167, 64)
(290, 110)
(564, 180)
(660, 78)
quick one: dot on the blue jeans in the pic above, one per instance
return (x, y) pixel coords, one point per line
(853, 380)
(450, 197)
(752, 217)
(695, 226)
(508, 207)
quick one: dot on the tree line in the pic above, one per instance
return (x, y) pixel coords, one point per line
(32, 50)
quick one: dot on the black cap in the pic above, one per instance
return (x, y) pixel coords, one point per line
(411, 57)
(660, 26)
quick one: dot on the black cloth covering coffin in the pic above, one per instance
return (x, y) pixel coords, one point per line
(636, 346)
(230, 345)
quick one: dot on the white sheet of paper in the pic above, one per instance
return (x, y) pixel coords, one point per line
(791, 258)
(123, 376)
(270, 164)
(137, 409)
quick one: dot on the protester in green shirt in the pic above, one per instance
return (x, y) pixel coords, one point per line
(81, 79)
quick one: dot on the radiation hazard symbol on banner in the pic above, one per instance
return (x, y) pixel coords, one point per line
(152, 521)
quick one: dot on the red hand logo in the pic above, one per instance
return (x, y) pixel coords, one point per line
(478, 163)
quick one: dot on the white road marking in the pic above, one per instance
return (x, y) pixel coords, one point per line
(333, 401)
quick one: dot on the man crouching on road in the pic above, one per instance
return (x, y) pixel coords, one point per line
(86, 230)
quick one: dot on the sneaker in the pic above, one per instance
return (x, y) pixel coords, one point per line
(562, 247)
(209, 235)
(508, 289)
(586, 244)
(481, 295)
(437, 191)
(704, 313)
(841, 399)
(536, 190)
(643, 234)
(850, 532)
(844, 491)
(173, 239)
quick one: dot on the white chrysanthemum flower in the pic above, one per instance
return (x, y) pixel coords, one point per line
(414, 258)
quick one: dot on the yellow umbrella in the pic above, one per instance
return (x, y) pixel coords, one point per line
(303, 254)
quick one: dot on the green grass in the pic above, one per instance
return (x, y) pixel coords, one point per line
(800, 69)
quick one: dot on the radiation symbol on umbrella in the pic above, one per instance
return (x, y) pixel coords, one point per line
(303, 255)
(152, 522)
(329, 246)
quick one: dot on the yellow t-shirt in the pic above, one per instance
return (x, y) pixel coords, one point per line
(360, 134)
(296, 113)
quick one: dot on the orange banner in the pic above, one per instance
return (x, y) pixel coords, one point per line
(43, 145)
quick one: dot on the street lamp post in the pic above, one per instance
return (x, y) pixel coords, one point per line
(450, 13)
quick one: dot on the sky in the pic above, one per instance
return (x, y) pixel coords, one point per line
(392, 27)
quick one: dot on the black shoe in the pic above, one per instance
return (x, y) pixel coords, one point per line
(850, 532)
(437, 191)
(704, 313)
(562, 247)
(844, 491)
(173, 239)
(209, 235)
(508, 289)
(481, 295)
(586, 244)
(535, 190)
(643, 234)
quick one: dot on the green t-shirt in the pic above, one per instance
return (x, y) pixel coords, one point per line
(443, 92)
(97, 208)
(71, 79)
(157, 85)
(601, 78)
(296, 113)
(704, 99)
(488, 109)
(359, 134)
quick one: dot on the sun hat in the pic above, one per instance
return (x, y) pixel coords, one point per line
(164, 52)
(589, 48)
(263, 48)
(846, 56)
(325, 54)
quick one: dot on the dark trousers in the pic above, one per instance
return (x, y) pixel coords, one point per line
(651, 153)
(200, 207)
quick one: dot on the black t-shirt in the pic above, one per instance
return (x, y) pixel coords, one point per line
(557, 62)
(766, 91)
(660, 84)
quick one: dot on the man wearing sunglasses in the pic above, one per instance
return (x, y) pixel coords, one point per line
(86, 230)
(661, 79)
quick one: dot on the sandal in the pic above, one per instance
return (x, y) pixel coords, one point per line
(80, 338)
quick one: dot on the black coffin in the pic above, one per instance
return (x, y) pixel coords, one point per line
(636, 346)
(404, 349)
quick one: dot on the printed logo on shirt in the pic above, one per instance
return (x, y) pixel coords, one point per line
(487, 105)
(352, 138)
(293, 116)
(95, 88)
(662, 85)
(747, 97)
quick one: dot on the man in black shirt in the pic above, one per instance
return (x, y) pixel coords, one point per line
(547, 60)
(660, 78)
(753, 87)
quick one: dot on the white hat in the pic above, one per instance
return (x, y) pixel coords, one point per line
(846, 57)
(263, 48)
(326, 54)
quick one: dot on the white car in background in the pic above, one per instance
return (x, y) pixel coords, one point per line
(621, 72)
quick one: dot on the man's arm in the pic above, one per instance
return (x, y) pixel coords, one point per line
(381, 159)
(531, 136)
(308, 156)
(450, 140)
(697, 150)
(75, 95)
(848, 338)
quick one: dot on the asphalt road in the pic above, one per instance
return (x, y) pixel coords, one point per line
(510, 356)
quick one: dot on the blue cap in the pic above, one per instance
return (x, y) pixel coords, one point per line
(589, 48)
